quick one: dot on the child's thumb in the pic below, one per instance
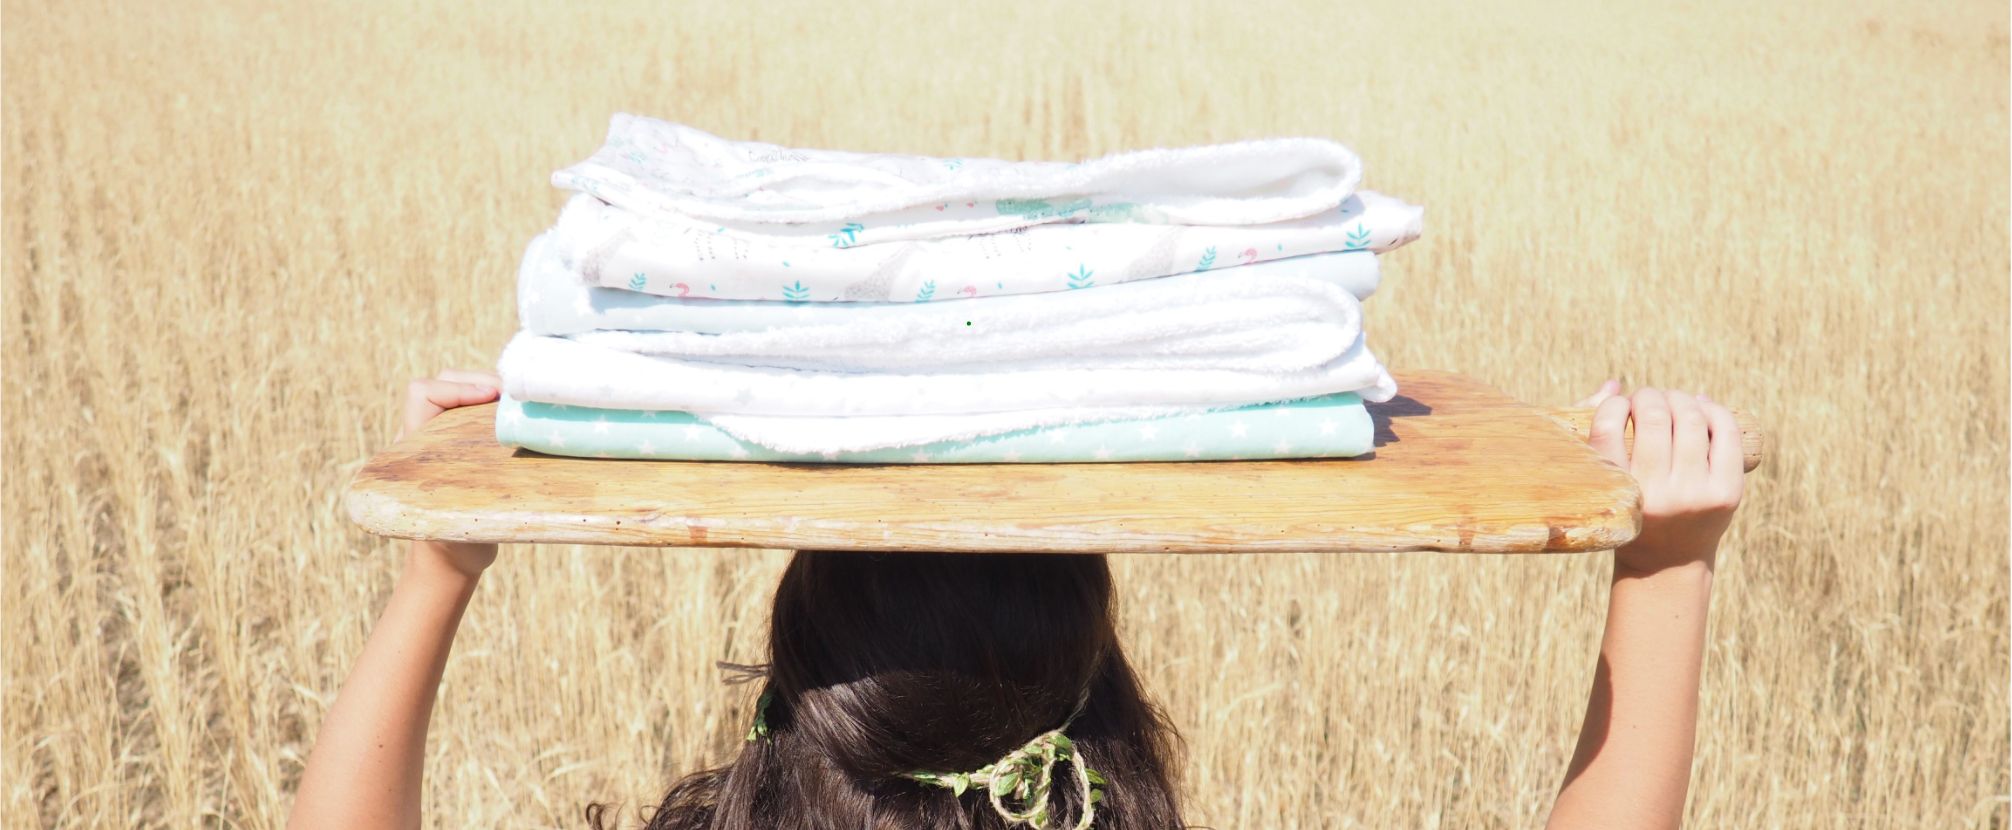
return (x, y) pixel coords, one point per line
(1606, 390)
(1610, 430)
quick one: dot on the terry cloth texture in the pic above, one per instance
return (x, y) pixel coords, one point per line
(765, 404)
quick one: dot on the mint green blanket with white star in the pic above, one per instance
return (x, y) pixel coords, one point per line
(1330, 426)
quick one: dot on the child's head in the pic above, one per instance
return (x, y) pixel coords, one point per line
(885, 665)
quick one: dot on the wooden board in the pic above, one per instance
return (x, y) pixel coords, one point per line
(1458, 466)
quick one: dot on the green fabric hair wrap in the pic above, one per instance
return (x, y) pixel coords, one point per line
(759, 729)
(1026, 776)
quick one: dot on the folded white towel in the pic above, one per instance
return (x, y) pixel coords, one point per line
(827, 404)
(617, 248)
(878, 433)
(551, 301)
(1259, 322)
(655, 167)
(827, 435)
(559, 370)
(1217, 275)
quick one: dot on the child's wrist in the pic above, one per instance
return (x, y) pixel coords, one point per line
(1643, 562)
(453, 565)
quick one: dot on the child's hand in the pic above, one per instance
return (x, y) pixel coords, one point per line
(425, 398)
(1686, 458)
(368, 766)
(1632, 767)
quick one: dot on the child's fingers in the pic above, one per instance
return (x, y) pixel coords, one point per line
(448, 394)
(1650, 410)
(419, 405)
(1728, 456)
(1599, 396)
(425, 398)
(1690, 437)
(472, 377)
(1610, 430)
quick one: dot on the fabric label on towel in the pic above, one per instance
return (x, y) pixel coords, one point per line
(1332, 426)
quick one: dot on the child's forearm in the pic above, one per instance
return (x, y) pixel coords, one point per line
(1633, 764)
(365, 770)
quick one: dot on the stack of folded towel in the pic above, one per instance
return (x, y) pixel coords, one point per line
(708, 299)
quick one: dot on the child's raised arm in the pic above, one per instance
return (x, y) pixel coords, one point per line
(366, 767)
(1632, 767)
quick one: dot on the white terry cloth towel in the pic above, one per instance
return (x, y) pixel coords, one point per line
(816, 412)
(550, 300)
(655, 167)
(563, 371)
(614, 247)
(828, 435)
(1258, 323)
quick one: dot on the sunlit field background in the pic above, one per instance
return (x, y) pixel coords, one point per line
(233, 229)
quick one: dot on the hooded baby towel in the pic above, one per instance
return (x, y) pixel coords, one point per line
(654, 167)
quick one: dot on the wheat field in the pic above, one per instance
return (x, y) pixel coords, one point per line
(233, 228)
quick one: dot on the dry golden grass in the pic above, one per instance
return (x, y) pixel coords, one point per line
(232, 228)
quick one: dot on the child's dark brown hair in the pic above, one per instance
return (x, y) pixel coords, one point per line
(883, 665)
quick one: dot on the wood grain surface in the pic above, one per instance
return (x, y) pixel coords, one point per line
(1458, 466)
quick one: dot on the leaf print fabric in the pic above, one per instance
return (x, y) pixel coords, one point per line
(615, 248)
(551, 301)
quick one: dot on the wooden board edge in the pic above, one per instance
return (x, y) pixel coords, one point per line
(380, 513)
(384, 516)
